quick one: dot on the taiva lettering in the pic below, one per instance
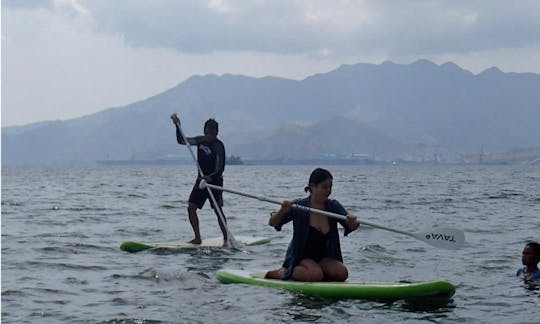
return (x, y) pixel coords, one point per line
(440, 237)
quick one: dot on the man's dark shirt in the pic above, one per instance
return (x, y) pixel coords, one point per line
(210, 155)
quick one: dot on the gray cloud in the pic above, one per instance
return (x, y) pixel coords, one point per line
(339, 27)
(199, 27)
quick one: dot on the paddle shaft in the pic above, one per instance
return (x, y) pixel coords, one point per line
(445, 238)
(305, 208)
(217, 208)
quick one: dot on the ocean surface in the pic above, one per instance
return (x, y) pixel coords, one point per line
(62, 228)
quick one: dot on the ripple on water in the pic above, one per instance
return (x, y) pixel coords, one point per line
(61, 260)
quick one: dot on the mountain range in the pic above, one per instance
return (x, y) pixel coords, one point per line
(386, 111)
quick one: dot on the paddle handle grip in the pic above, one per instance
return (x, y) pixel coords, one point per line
(188, 146)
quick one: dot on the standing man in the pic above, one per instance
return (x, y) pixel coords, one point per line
(211, 159)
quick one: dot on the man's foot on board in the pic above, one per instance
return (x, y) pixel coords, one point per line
(196, 240)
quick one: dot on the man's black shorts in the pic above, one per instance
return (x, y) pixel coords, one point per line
(199, 196)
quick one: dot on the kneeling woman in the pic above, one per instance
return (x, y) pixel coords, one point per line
(314, 253)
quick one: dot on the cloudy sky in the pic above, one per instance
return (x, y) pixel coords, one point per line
(63, 59)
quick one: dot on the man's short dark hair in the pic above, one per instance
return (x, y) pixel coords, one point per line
(212, 125)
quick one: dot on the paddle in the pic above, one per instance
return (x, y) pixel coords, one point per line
(444, 238)
(232, 241)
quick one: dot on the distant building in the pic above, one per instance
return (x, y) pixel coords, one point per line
(234, 160)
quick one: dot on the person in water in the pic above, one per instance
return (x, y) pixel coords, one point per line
(314, 253)
(530, 258)
(211, 159)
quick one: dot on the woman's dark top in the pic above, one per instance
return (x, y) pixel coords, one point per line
(315, 245)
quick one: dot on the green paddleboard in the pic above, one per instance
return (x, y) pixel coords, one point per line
(215, 242)
(380, 291)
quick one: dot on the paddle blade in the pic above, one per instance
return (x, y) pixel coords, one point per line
(444, 238)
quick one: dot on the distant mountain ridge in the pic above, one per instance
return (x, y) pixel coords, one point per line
(388, 110)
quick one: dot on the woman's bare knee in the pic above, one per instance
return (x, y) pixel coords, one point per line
(334, 270)
(308, 275)
(337, 274)
(307, 270)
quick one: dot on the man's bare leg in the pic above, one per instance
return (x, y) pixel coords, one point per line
(194, 220)
(223, 227)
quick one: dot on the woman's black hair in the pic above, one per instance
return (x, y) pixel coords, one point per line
(317, 176)
(212, 125)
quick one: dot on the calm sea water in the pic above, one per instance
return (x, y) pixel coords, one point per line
(62, 228)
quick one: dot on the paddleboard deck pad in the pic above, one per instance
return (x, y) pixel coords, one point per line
(215, 242)
(380, 291)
